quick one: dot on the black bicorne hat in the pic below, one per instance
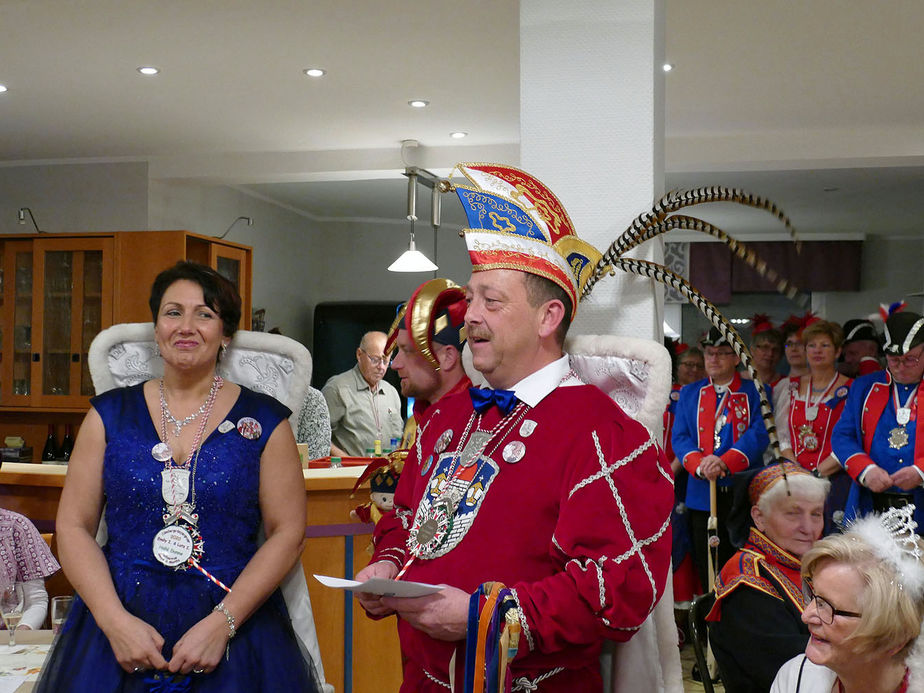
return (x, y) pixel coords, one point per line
(903, 332)
(860, 330)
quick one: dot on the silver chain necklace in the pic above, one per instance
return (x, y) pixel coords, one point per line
(177, 424)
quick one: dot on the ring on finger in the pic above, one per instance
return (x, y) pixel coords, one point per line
(198, 671)
(136, 670)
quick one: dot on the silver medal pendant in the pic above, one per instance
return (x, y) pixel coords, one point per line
(527, 428)
(443, 441)
(174, 485)
(161, 452)
(903, 415)
(811, 413)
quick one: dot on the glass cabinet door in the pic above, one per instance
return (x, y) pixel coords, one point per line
(231, 263)
(16, 384)
(76, 303)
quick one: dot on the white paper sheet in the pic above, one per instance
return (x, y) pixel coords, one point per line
(388, 588)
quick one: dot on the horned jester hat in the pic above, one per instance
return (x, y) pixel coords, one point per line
(516, 222)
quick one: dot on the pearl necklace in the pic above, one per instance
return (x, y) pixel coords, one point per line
(177, 424)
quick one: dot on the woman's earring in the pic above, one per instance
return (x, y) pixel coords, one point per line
(156, 350)
(222, 352)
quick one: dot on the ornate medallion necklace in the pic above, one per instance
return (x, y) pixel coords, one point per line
(179, 544)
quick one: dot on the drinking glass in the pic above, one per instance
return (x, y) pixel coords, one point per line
(59, 608)
(11, 608)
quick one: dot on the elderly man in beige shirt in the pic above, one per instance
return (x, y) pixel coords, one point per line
(363, 407)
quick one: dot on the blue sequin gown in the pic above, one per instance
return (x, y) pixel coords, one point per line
(264, 656)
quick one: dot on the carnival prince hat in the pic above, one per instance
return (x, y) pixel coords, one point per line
(516, 222)
(435, 313)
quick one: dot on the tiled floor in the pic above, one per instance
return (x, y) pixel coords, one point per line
(687, 658)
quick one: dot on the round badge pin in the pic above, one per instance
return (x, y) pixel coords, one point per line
(675, 395)
(250, 428)
(841, 391)
(172, 546)
(225, 426)
(426, 466)
(741, 427)
(514, 451)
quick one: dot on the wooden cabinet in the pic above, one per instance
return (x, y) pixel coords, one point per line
(58, 291)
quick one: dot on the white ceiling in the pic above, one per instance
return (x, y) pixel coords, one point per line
(785, 99)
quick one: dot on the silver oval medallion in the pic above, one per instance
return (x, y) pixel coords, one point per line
(161, 452)
(443, 441)
(173, 546)
(225, 426)
(514, 451)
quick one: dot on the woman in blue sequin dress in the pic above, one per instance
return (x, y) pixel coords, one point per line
(188, 467)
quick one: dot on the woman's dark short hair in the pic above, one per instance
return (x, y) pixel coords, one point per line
(220, 294)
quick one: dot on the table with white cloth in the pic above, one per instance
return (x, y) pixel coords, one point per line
(21, 663)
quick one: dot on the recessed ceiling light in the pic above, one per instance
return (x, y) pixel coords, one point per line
(418, 103)
(315, 72)
(830, 189)
(148, 70)
(2, 88)
(667, 67)
(458, 135)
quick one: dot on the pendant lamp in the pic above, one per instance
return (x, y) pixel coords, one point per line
(412, 260)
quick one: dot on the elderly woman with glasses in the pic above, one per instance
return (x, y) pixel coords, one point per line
(756, 623)
(864, 593)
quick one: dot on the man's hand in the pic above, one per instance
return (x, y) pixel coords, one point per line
(712, 467)
(443, 616)
(878, 480)
(372, 603)
(906, 478)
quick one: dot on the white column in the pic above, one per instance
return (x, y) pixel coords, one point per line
(591, 128)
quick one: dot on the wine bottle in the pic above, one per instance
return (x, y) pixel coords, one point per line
(50, 451)
(67, 444)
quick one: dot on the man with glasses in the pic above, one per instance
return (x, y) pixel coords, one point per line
(878, 438)
(363, 407)
(718, 431)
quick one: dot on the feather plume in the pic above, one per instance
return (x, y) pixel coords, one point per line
(659, 273)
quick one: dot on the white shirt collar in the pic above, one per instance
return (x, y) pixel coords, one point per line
(535, 386)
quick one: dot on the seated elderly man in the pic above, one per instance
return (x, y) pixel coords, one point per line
(756, 623)
(363, 407)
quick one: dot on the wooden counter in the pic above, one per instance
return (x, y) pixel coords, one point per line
(358, 654)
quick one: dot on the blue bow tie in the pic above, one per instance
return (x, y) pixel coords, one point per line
(483, 398)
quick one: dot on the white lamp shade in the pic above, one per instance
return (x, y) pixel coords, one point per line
(412, 260)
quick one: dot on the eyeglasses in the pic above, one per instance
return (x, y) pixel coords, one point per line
(824, 608)
(719, 354)
(376, 360)
(908, 360)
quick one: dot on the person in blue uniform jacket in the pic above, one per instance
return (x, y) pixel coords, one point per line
(718, 431)
(878, 438)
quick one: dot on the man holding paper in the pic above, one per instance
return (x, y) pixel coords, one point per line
(542, 483)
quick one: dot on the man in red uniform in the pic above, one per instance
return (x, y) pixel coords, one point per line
(429, 333)
(546, 486)
(861, 349)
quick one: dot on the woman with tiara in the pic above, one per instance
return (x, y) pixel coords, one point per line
(181, 597)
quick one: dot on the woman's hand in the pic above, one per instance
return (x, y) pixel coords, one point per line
(201, 647)
(136, 644)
